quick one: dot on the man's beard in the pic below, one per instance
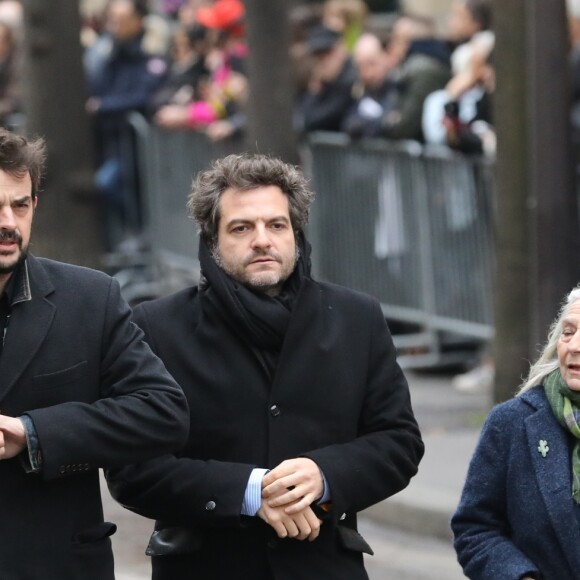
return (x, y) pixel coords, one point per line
(15, 237)
(261, 281)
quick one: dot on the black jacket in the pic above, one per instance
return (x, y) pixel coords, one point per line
(337, 396)
(325, 110)
(98, 397)
(424, 70)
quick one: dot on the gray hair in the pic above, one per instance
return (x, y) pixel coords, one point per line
(548, 360)
(242, 173)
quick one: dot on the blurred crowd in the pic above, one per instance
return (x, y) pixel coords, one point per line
(182, 64)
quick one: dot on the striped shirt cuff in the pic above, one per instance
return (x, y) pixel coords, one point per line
(326, 497)
(253, 496)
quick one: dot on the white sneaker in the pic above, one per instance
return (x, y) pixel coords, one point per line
(477, 380)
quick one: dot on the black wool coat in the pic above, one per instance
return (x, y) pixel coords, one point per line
(76, 364)
(337, 396)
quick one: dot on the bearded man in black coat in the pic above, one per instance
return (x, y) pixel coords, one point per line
(300, 414)
(79, 389)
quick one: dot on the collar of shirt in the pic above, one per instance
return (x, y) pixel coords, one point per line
(18, 287)
(17, 290)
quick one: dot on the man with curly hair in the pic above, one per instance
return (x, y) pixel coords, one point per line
(301, 416)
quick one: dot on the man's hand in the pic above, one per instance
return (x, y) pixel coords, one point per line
(12, 437)
(295, 483)
(301, 526)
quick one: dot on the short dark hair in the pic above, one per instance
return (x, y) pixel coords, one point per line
(18, 156)
(140, 7)
(244, 172)
(480, 11)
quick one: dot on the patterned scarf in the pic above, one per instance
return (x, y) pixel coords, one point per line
(565, 405)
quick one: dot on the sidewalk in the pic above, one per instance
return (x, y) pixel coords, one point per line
(450, 423)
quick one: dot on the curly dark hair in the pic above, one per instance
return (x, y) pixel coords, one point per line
(244, 172)
(19, 156)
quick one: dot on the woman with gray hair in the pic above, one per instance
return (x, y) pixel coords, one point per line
(519, 514)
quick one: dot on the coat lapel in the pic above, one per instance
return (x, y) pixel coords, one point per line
(305, 321)
(29, 325)
(553, 473)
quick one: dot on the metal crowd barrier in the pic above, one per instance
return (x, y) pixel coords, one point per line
(409, 225)
(168, 161)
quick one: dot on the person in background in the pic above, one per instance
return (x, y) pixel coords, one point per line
(473, 40)
(79, 390)
(124, 68)
(574, 64)
(329, 93)
(423, 67)
(169, 8)
(187, 12)
(301, 415)
(187, 68)
(519, 514)
(10, 77)
(375, 89)
(468, 19)
(476, 136)
(302, 18)
(347, 17)
(218, 107)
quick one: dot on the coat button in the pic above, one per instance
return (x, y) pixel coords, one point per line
(210, 506)
(342, 517)
(275, 411)
(62, 470)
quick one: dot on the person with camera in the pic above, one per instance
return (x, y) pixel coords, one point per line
(477, 135)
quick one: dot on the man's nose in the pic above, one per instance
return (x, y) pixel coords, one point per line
(7, 219)
(261, 237)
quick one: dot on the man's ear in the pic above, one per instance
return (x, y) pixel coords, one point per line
(34, 201)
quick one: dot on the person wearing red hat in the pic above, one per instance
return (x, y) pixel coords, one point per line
(222, 15)
(217, 107)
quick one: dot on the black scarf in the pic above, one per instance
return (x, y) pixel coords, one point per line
(260, 319)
